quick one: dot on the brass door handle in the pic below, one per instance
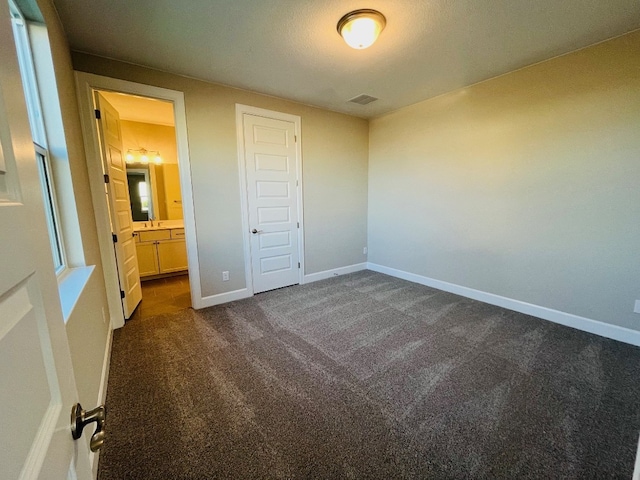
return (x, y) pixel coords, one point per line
(81, 418)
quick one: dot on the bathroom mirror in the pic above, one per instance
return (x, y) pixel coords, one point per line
(154, 192)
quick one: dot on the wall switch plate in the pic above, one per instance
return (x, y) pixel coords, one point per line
(225, 276)
(636, 309)
(364, 251)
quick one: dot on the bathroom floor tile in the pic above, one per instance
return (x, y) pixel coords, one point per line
(163, 295)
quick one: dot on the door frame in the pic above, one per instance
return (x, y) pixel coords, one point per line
(242, 174)
(86, 84)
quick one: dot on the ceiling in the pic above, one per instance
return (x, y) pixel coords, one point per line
(290, 48)
(141, 109)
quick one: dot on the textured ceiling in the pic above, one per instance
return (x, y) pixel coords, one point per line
(290, 48)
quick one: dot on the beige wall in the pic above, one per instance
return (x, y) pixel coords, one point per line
(334, 158)
(172, 196)
(525, 186)
(136, 135)
(87, 330)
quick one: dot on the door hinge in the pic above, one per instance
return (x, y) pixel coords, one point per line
(298, 224)
(298, 264)
(297, 183)
(106, 178)
(295, 138)
(114, 237)
(98, 114)
(121, 293)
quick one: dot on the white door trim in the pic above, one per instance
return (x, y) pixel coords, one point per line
(244, 202)
(86, 83)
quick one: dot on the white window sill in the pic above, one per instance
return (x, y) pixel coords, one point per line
(70, 286)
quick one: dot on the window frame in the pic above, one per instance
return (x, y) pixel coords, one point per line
(51, 209)
(38, 133)
(28, 74)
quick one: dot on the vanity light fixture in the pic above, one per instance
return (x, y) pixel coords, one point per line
(360, 28)
(141, 155)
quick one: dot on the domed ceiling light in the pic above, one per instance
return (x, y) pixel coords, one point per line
(360, 28)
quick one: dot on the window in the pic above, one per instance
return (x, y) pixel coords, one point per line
(34, 110)
(50, 208)
(139, 194)
(144, 197)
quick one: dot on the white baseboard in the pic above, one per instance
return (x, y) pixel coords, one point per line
(636, 470)
(102, 391)
(614, 332)
(220, 298)
(314, 277)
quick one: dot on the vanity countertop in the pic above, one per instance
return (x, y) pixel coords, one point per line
(157, 225)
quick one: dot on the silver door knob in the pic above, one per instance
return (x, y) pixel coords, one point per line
(81, 418)
(254, 231)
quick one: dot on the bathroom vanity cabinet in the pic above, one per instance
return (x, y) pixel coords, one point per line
(161, 251)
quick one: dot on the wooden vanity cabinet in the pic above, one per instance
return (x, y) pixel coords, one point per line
(161, 251)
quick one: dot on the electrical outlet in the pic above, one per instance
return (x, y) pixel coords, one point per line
(364, 251)
(225, 276)
(636, 309)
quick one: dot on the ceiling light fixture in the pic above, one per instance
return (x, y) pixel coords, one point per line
(141, 155)
(360, 28)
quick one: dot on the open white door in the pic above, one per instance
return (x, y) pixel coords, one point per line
(271, 165)
(37, 386)
(119, 206)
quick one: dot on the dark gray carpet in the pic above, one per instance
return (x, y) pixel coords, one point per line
(367, 376)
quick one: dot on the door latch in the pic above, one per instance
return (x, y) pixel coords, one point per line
(81, 418)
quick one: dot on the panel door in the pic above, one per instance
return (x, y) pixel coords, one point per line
(271, 168)
(119, 205)
(37, 386)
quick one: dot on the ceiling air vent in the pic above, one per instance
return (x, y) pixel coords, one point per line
(363, 99)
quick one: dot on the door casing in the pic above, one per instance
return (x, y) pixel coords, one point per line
(244, 204)
(86, 84)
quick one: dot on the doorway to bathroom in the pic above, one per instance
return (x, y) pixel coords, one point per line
(151, 207)
(88, 86)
